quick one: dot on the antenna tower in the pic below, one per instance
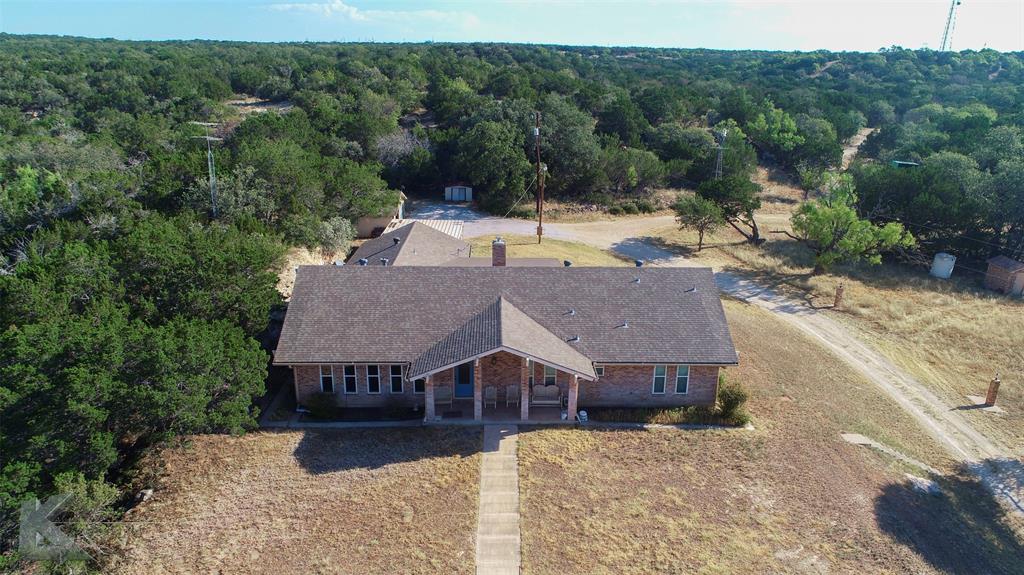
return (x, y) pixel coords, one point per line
(947, 33)
(720, 140)
(209, 162)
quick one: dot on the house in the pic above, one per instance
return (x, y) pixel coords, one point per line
(418, 244)
(458, 192)
(370, 226)
(1006, 275)
(543, 338)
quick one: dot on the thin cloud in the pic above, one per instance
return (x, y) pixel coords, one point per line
(339, 9)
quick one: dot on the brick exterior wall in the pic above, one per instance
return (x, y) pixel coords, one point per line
(307, 378)
(621, 385)
(632, 385)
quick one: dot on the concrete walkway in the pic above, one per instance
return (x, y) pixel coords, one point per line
(497, 531)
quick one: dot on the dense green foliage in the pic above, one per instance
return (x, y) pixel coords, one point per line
(128, 311)
(830, 226)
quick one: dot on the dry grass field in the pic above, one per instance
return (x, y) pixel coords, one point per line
(527, 247)
(952, 335)
(326, 501)
(788, 497)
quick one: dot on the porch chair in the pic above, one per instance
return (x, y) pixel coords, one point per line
(491, 396)
(512, 394)
(443, 396)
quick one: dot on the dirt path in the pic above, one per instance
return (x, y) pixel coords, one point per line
(853, 145)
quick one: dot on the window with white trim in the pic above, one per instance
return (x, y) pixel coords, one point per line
(658, 386)
(682, 379)
(373, 379)
(396, 379)
(550, 375)
(349, 375)
(419, 386)
(327, 378)
(599, 370)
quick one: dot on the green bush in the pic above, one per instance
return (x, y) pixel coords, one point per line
(645, 206)
(731, 399)
(630, 208)
(323, 406)
(616, 210)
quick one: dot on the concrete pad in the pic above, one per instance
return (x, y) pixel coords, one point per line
(980, 401)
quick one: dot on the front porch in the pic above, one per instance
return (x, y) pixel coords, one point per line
(461, 413)
(501, 387)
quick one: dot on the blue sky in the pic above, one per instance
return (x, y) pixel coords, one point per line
(731, 24)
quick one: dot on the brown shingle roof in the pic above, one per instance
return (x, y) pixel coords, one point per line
(1008, 264)
(510, 262)
(372, 314)
(501, 326)
(418, 245)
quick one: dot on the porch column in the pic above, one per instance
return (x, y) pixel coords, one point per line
(478, 392)
(574, 388)
(524, 391)
(428, 399)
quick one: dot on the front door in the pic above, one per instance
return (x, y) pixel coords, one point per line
(464, 380)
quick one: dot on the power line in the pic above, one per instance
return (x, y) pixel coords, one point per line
(521, 196)
(937, 229)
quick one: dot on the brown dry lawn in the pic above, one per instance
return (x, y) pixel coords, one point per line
(788, 497)
(527, 247)
(951, 335)
(325, 501)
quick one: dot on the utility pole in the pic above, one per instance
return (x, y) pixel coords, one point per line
(209, 163)
(540, 181)
(720, 148)
(947, 33)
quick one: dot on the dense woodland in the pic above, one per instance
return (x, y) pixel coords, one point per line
(129, 314)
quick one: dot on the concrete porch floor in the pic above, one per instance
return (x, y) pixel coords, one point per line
(500, 414)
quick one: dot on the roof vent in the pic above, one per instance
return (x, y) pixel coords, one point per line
(636, 280)
(339, 263)
(363, 261)
(397, 240)
(692, 289)
(574, 339)
(572, 311)
(567, 263)
(624, 324)
(383, 261)
(639, 263)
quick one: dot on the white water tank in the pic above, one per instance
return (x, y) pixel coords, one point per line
(942, 265)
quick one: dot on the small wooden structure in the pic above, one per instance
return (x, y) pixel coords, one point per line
(458, 192)
(1006, 275)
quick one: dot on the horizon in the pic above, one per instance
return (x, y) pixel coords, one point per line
(733, 25)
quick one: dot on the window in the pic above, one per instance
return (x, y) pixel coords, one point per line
(529, 370)
(599, 370)
(373, 379)
(350, 379)
(550, 375)
(419, 386)
(396, 379)
(327, 378)
(659, 379)
(682, 378)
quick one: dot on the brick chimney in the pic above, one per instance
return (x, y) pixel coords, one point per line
(498, 252)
